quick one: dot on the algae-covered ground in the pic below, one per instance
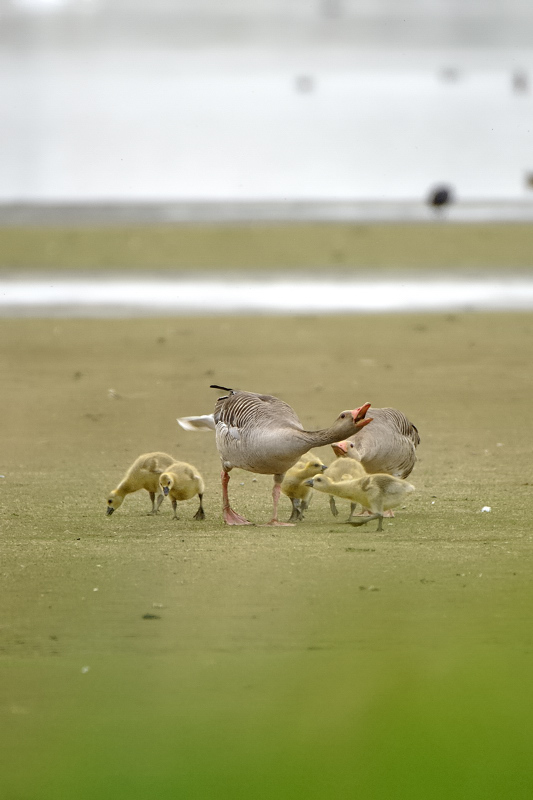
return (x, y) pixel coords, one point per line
(270, 246)
(148, 658)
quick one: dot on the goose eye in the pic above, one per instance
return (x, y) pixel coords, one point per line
(343, 416)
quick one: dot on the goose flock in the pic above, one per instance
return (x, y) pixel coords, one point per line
(262, 434)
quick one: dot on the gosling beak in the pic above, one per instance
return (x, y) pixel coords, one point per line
(323, 467)
(340, 449)
(358, 415)
(109, 510)
(309, 482)
(165, 490)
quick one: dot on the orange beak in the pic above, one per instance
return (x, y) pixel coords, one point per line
(340, 449)
(358, 415)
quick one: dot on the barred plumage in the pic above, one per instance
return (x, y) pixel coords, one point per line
(388, 445)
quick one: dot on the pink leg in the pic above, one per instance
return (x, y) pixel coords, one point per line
(276, 491)
(230, 516)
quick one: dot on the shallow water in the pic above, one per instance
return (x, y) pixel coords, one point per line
(116, 297)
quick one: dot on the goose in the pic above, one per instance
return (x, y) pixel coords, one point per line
(343, 466)
(143, 474)
(262, 434)
(293, 486)
(182, 481)
(379, 492)
(388, 445)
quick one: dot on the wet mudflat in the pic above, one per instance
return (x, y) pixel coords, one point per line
(142, 656)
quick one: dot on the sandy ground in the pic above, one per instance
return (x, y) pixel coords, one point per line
(145, 657)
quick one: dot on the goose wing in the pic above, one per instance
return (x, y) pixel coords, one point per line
(243, 412)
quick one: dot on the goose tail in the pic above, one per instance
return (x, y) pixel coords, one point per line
(205, 422)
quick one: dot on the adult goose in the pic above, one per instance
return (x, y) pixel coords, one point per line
(262, 434)
(388, 445)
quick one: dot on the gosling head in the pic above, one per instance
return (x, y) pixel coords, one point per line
(311, 468)
(318, 482)
(166, 482)
(114, 501)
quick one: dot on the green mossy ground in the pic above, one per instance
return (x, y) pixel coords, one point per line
(318, 661)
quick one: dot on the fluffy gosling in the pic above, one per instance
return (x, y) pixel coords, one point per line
(335, 471)
(293, 485)
(143, 474)
(181, 481)
(379, 493)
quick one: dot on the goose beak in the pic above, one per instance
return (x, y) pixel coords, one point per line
(323, 467)
(358, 415)
(165, 490)
(109, 510)
(340, 449)
(309, 482)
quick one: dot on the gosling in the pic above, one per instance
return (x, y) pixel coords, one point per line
(379, 493)
(293, 485)
(181, 481)
(143, 474)
(335, 471)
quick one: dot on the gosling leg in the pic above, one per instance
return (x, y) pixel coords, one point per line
(295, 516)
(332, 506)
(200, 514)
(363, 520)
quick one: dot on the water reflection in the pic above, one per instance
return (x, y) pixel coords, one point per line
(118, 297)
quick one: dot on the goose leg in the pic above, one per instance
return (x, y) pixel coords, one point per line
(332, 506)
(175, 507)
(276, 491)
(200, 514)
(230, 516)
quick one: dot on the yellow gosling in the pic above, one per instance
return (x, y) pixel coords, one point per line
(335, 471)
(143, 474)
(379, 493)
(293, 484)
(182, 481)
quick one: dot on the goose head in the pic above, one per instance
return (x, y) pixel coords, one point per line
(357, 418)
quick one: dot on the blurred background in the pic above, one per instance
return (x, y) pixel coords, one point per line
(276, 101)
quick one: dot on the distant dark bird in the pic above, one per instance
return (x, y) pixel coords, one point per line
(440, 196)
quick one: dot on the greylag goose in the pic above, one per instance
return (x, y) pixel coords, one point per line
(262, 434)
(143, 474)
(388, 445)
(379, 492)
(181, 481)
(293, 484)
